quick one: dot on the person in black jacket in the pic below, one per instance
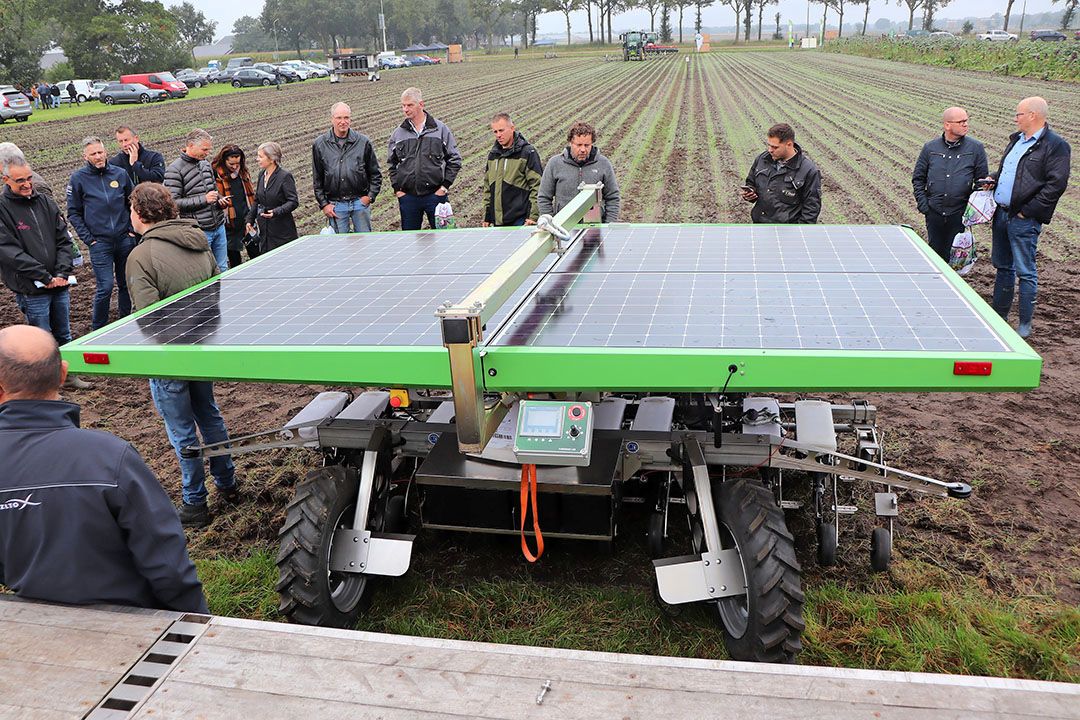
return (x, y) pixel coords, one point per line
(944, 176)
(345, 173)
(783, 183)
(83, 520)
(1033, 174)
(423, 162)
(191, 181)
(275, 200)
(140, 163)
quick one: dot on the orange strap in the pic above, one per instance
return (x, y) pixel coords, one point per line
(528, 486)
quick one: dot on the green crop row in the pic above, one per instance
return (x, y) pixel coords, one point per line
(1043, 60)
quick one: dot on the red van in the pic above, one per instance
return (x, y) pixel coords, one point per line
(158, 81)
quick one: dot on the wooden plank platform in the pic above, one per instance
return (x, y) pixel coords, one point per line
(61, 662)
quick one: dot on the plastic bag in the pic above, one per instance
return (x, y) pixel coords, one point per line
(980, 208)
(328, 229)
(444, 216)
(963, 255)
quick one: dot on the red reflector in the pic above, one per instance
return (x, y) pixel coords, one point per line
(972, 368)
(96, 358)
(395, 402)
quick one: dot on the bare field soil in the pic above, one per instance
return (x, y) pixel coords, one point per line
(681, 138)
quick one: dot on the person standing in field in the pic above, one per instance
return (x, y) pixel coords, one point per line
(423, 162)
(512, 180)
(140, 163)
(345, 173)
(783, 183)
(1031, 178)
(579, 162)
(944, 176)
(97, 201)
(234, 184)
(275, 201)
(172, 257)
(190, 179)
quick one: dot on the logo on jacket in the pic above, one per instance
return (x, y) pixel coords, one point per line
(22, 226)
(17, 504)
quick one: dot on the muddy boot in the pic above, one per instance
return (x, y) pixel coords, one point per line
(74, 382)
(194, 516)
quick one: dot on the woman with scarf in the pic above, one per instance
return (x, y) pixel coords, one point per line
(275, 198)
(234, 184)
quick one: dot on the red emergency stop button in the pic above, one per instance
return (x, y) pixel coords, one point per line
(576, 412)
(972, 368)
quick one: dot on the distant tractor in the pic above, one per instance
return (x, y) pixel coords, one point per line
(653, 46)
(633, 45)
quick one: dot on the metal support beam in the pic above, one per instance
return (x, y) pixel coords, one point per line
(463, 322)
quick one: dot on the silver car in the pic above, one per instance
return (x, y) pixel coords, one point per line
(13, 104)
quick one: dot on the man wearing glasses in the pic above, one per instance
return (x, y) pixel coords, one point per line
(944, 176)
(35, 251)
(1032, 177)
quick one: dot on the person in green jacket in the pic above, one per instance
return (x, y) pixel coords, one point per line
(513, 177)
(172, 256)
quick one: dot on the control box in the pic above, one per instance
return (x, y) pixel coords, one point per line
(554, 432)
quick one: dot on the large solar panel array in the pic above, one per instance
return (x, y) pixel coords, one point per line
(798, 287)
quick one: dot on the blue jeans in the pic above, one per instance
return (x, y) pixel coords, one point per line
(183, 405)
(1013, 254)
(414, 207)
(109, 259)
(219, 245)
(49, 311)
(352, 211)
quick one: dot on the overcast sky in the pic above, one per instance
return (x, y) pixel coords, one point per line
(227, 13)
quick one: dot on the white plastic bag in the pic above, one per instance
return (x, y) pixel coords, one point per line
(444, 216)
(328, 229)
(963, 255)
(980, 208)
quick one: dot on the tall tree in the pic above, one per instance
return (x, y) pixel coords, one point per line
(287, 22)
(26, 38)
(565, 7)
(699, 5)
(761, 12)
(930, 8)
(665, 22)
(838, 5)
(192, 27)
(912, 6)
(651, 6)
(489, 12)
(1070, 12)
(682, 5)
(866, 12)
(249, 36)
(1008, 11)
(737, 6)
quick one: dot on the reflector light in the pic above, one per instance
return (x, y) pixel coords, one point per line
(972, 368)
(96, 358)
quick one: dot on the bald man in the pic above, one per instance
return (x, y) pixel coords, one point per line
(345, 172)
(1033, 174)
(82, 518)
(944, 176)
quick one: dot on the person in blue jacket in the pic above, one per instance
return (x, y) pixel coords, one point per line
(140, 163)
(83, 520)
(99, 210)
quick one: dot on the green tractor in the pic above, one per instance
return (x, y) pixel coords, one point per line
(633, 45)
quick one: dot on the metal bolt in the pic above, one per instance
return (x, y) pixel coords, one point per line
(712, 590)
(723, 588)
(492, 372)
(355, 539)
(365, 540)
(352, 564)
(706, 563)
(362, 565)
(543, 691)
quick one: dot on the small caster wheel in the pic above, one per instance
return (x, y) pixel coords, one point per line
(654, 535)
(826, 544)
(880, 549)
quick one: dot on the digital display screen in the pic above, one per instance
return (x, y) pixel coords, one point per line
(543, 421)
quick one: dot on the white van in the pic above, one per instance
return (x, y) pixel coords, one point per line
(83, 90)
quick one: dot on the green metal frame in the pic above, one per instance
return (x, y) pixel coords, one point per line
(516, 369)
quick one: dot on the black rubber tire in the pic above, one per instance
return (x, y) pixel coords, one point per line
(144, 98)
(826, 544)
(266, 82)
(765, 624)
(236, 83)
(654, 535)
(309, 593)
(880, 549)
(22, 118)
(109, 100)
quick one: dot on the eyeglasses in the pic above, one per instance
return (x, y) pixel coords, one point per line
(21, 181)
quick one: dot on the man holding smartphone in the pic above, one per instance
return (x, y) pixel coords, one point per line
(783, 183)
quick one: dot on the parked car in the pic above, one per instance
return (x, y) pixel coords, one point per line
(941, 35)
(917, 33)
(95, 90)
(123, 92)
(297, 67)
(82, 90)
(284, 72)
(997, 36)
(392, 61)
(158, 81)
(434, 60)
(13, 104)
(418, 60)
(1048, 35)
(192, 79)
(239, 62)
(317, 70)
(248, 77)
(226, 75)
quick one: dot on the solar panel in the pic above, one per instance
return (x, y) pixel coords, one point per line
(765, 287)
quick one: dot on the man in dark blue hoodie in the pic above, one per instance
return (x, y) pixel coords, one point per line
(98, 209)
(83, 520)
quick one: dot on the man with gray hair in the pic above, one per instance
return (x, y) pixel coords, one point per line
(98, 208)
(190, 179)
(9, 151)
(944, 176)
(345, 173)
(35, 251)
(1033, 175)
(423, 161)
